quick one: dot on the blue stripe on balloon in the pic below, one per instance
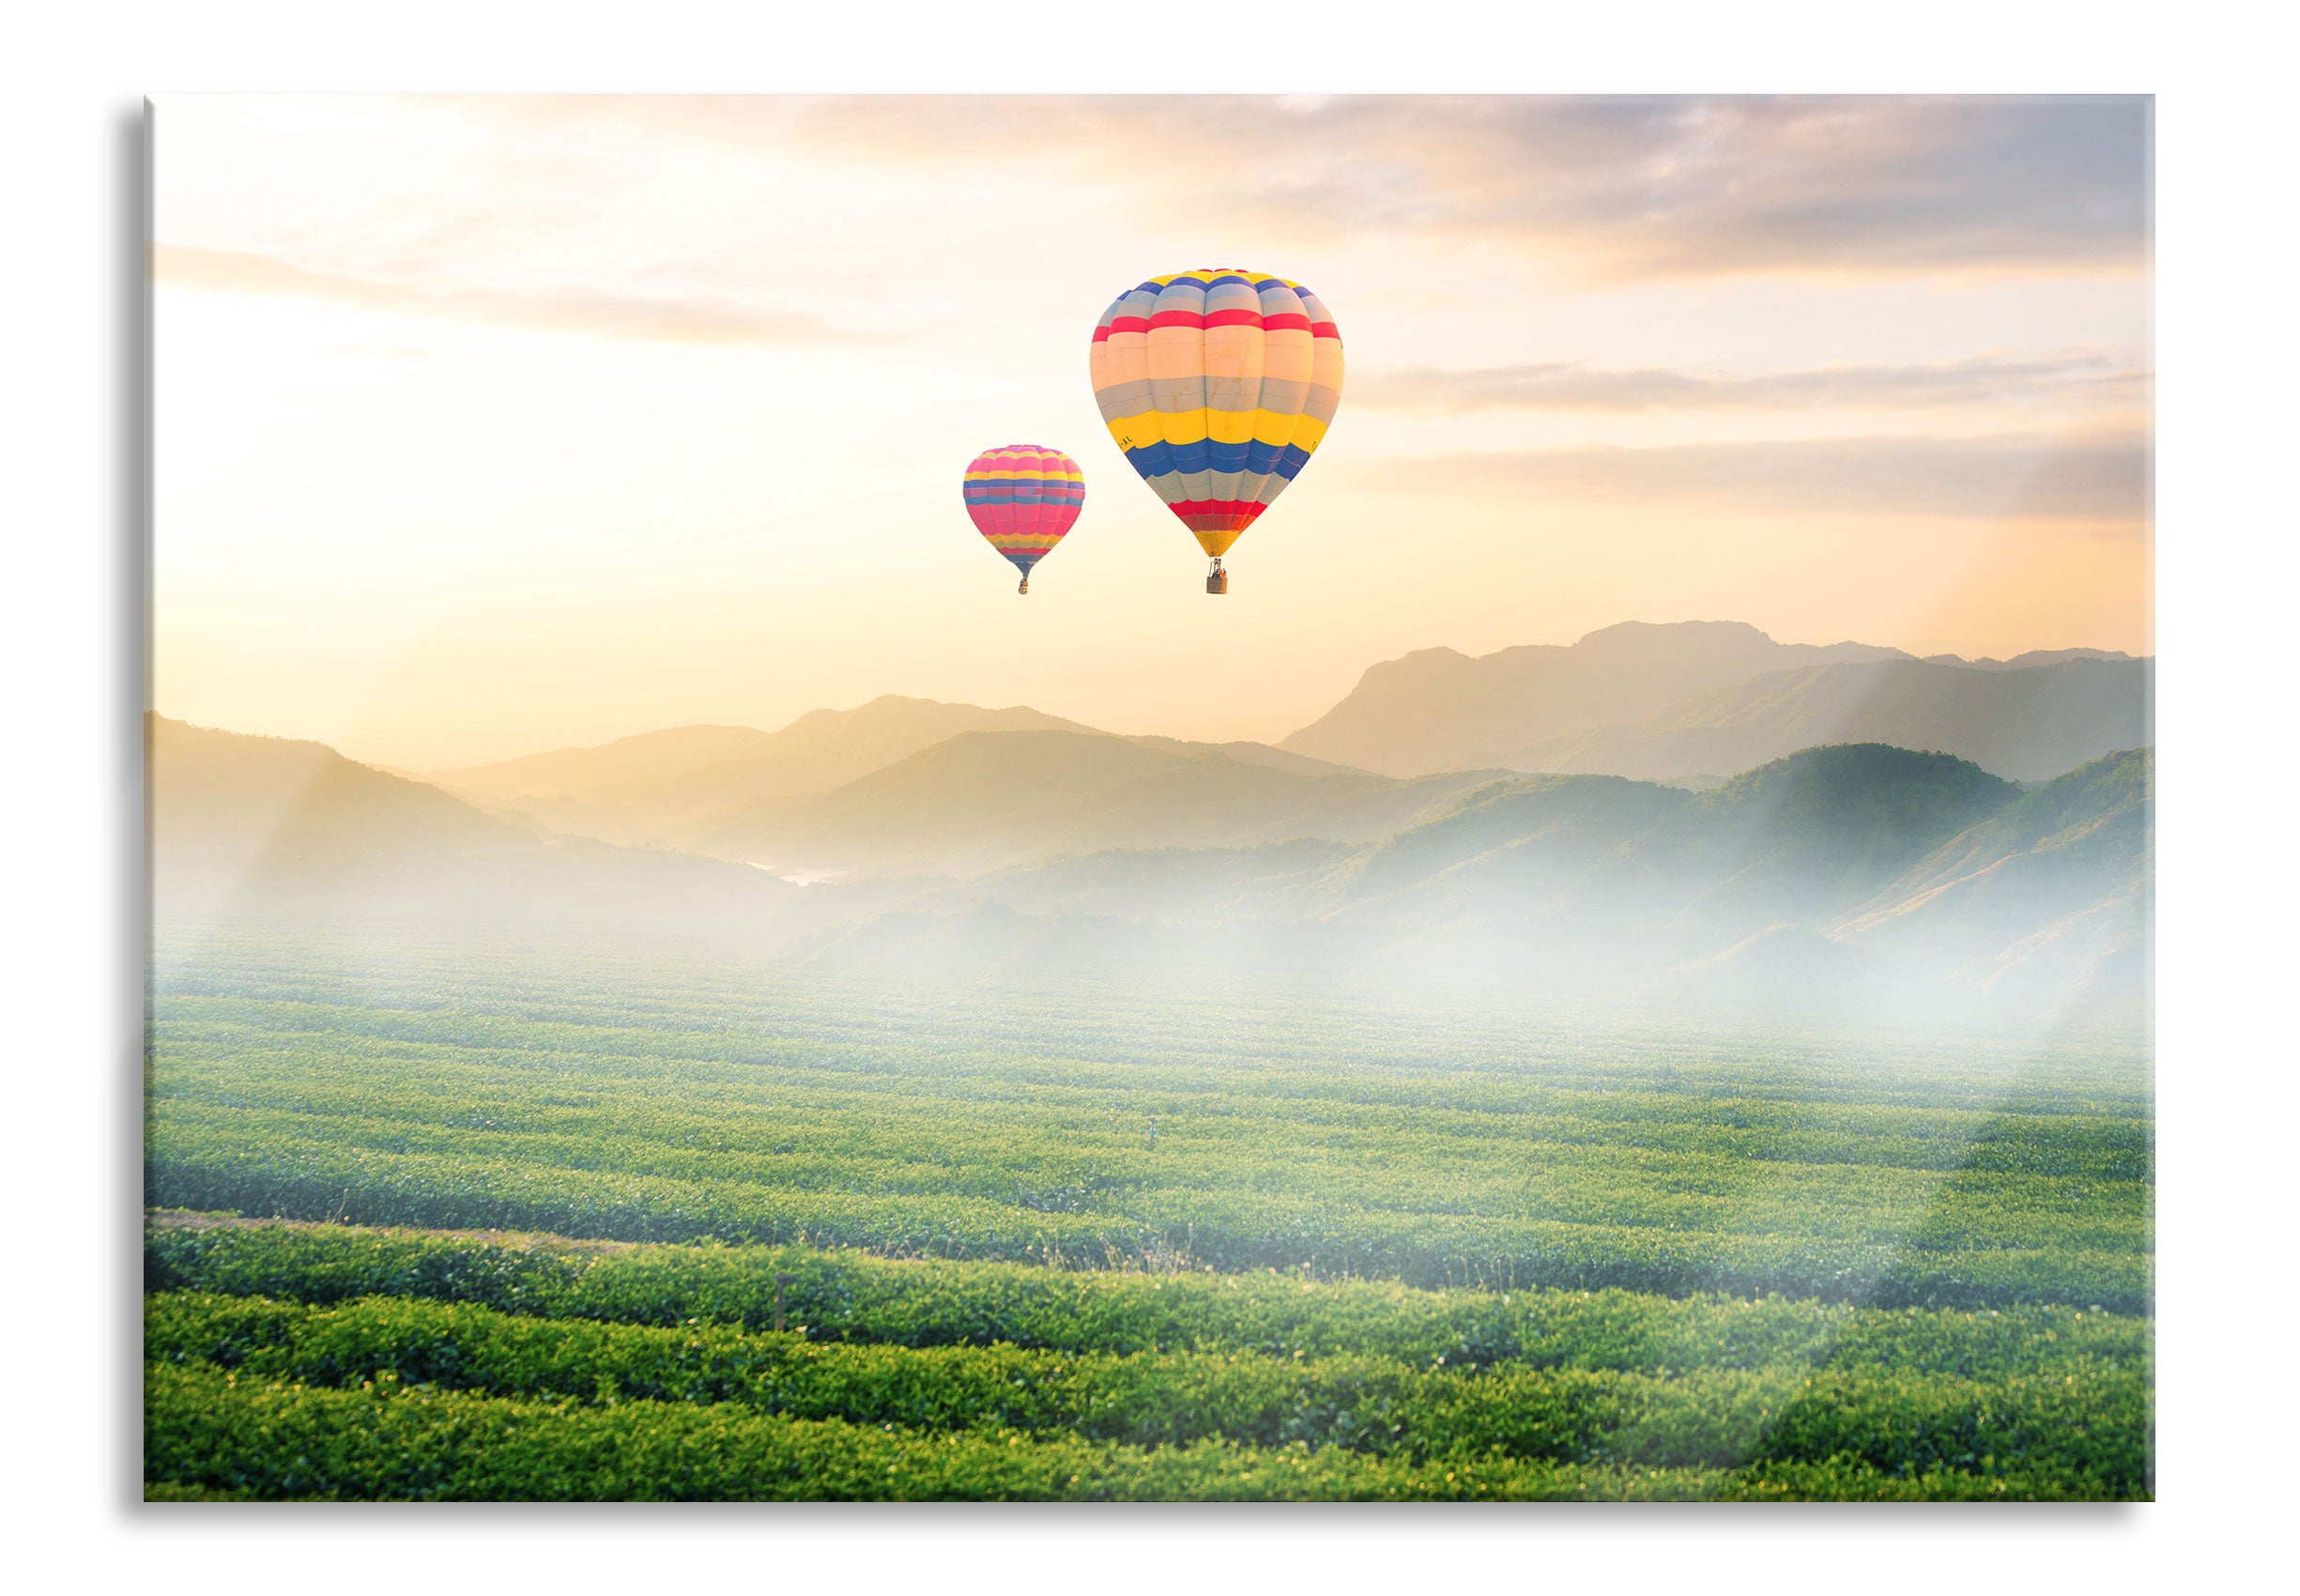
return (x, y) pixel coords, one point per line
(1227, 457)
(1292, 461)
(1152, 459)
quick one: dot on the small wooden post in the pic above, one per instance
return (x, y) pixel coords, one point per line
(781, 1280)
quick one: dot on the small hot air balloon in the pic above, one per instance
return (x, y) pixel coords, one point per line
(1024, 498)
(1219, 385)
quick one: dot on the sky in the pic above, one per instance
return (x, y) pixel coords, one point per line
(485, 425)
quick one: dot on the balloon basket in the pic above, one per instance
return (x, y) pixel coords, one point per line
(1217, 580)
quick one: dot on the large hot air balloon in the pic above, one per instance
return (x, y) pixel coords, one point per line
(1219, 385)
(1024, 498)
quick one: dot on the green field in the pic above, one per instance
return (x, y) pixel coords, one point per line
(1370, 1249)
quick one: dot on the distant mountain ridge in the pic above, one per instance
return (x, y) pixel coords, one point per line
(678, 750)
(1705, 700)
(1690, 704)
(228, 799)
(985, 801)
(268, 825)
(2028, 661)
(1439, 710)
(663, 787)
(2024, 724)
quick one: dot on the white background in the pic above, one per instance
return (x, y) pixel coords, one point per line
(70, 511)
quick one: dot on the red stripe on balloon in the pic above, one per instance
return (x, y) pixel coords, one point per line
(1245, 507)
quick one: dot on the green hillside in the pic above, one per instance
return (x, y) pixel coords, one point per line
(1501, 849)
(1801, 837)
(1796, 879)
(2058, 885)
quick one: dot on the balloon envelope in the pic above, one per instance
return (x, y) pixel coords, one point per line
(1024, 498)
(1219, 385)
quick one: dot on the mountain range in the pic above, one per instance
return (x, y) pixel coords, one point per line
(984, 799)
(662, 787)
(1690, 704)
(1797, 830)
(1437, 710)
(269, 825)
(2025, 724)
(1708, 698)
(1850, 868)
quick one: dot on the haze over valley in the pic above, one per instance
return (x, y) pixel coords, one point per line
(1692, 808)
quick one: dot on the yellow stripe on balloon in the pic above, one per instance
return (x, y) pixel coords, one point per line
(1229, 426)
(1274, 426)
(1174, 426)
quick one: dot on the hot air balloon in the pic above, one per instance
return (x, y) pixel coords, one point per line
(1024, 498)
(1219, 385)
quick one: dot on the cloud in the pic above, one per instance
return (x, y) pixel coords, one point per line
(2003, 476)
(1614, 188)
(552, 310)
(2085, 377)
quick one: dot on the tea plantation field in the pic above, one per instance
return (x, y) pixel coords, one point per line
(1116, 1243)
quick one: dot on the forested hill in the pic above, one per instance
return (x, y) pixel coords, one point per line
(1847, 868)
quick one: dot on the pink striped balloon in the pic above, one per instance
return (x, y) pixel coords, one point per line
(1024, 498)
